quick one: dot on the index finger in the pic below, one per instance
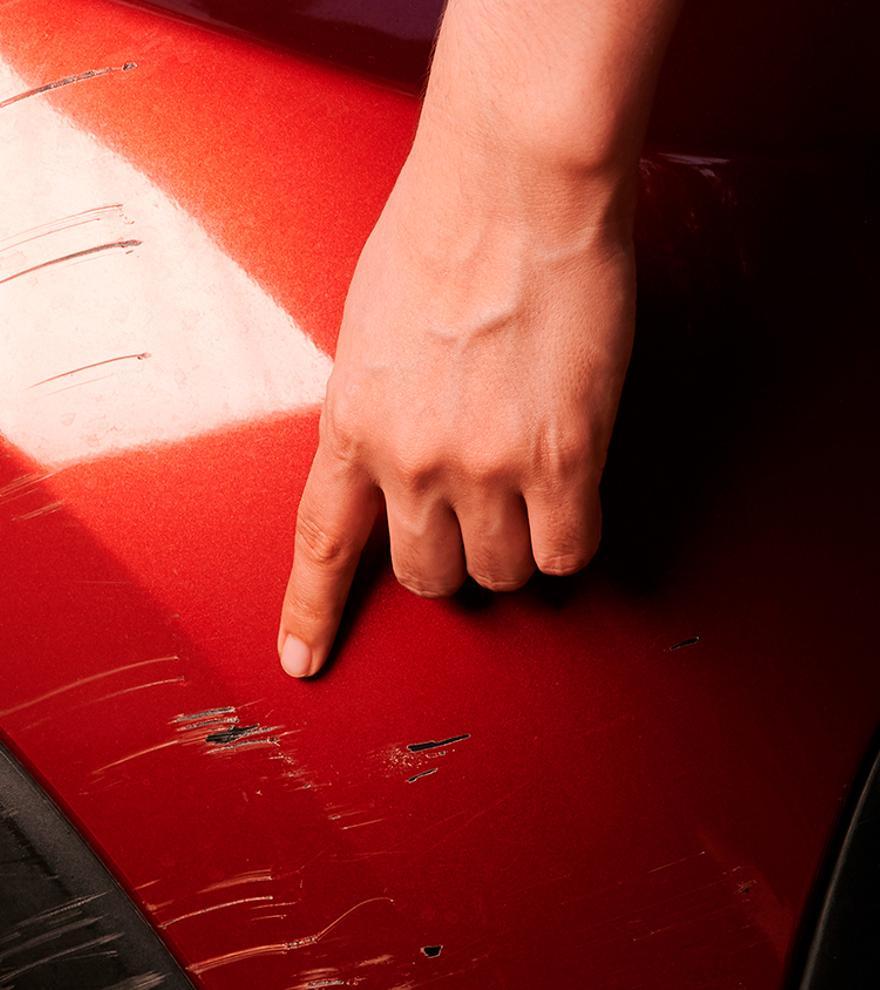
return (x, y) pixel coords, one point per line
(336, 513)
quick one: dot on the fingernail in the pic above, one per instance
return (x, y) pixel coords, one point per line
(296, 657)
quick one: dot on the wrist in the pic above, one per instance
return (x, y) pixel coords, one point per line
(490, 169)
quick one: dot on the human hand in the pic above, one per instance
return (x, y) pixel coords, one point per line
(479, 365)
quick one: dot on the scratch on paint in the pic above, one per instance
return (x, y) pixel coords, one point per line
(42, 511)
(252, 876)
(130, 690)
(21, 486)
(48, 936)
(74, 904)
(424, 773)
(683, 643)
(225, 734)
(95, 364)
(85, 381)
(67, 81)
(137, 754)
(271, 741)
(279, 948)
(214, 907)
(372, 821)
(207, 713)
(233, 733)
(65, 223)
(83, 681)
(126, 245)
(434, 744)
(677, 862)
(72, 950)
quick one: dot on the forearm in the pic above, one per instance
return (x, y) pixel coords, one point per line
(552, 85)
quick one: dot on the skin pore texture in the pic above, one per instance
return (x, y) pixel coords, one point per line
(489, 321)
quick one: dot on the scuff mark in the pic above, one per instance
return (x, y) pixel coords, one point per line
(137, 754)
(74, 904)
(434, 744)
(44, 510)
(131, 690)
(72, 950)
(251, 876)
(121, 245)
(432, 951)
(22, 486)
(278, 948)
(248, 744)
(214, 907)
(83, 681)
(97, 213)
(48, 936)
(67, 81)
(207, 713)
(85, 381)
(95, 364)
(372, 821)
(227, 737)
(423, 773)
(231, 734)
(677, 862)
(684, 643)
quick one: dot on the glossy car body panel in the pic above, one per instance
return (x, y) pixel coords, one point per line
(636, 771)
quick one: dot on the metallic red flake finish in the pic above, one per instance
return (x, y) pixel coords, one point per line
(626, 780)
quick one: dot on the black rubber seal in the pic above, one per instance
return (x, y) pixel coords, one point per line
(842, 949)
(65, 922)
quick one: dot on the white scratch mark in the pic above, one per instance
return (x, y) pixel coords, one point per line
(676, 862)
(279, 948)
(214, 907)
(83, 681)
(42, 511)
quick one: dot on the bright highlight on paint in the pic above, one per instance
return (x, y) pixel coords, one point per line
(121, 322)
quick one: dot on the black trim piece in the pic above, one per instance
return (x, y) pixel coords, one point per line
(844, 951)
(65, 922)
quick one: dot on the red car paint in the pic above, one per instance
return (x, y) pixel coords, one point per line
(623, 780)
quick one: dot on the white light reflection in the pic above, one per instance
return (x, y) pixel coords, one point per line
(102, 271)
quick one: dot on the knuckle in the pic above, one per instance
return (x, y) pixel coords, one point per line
(491, 467)
(500, 584)
(416, 471)
(340, 428)
(298, 609)
(495, 574)
(569, 456)
(561, 565)
(563, 562)
(564, 454)
(426, 588)
(322, 546)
